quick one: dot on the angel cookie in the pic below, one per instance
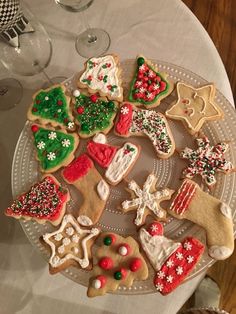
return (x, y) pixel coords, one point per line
(93, 114)
(149, 86)
(52, 106)
(149, 123)
(172, 261)
(206, 161)
(118, 160)
(195, 106)
(45, 201)
(54, 148)
(119, 262)
(102, 75)
(146, 201)
(70, 245)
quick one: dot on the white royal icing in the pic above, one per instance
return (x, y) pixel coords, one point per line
(100, 138)
(226, 210)
(157, 248)
(121, 163)
(76, 93)
(219, 252)
(84, 220)
(103, 190)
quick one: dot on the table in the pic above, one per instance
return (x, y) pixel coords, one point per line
(159, 29)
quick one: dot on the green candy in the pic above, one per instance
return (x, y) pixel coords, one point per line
(118, 275)
(107, 241)
(140, 61)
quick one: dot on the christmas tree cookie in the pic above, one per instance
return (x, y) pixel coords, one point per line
(119, 262)
(70, 245)
(52, 106)
(102, 75)
(45, 201)
(93, 114)
(149, 86)
(54, 148)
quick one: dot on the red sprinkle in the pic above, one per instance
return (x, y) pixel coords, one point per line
(93, 98)
(106, 263)
(34, 128)
(59, 102)
(80, 109)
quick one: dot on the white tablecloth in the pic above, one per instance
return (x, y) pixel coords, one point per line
(159, 29)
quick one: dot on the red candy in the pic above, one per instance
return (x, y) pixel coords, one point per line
(155, 228)
(102, 279)
(123, 272)
(106, 263)
(135, 265)
(59, 102)
(34, 128)
(80, 110)
(93, 98)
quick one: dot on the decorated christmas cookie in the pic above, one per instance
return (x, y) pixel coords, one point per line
(195, 106)
(70, 245)
(93, 114)
(54, 148)
(146, 201)
(95, 191)
(149, 86)
(52, 106)
(149, 123)
(208, 212)
(118, 161)
(102, 75)
(45, 201)
(119, 262)
(206, 161)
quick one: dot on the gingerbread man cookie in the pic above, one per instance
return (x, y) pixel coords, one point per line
(119, 262)
(146, 201)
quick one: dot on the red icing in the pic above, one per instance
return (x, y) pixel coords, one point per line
(93, 98)
(106, 263)
(182, 200)
(126, 246)
(125, 119)
(77, 168)
(178, 268)
(135, 265)
(34, 128)
(101, 153)
(102, 279)
(155, 228)
(44, 201)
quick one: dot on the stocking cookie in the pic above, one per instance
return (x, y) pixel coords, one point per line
(52, 106)
(119, 262)
(54, 148)
(146, 201)
(206, 161)
(172, 261)
(149, 123)
(195, 106)
(45, 201)
(208, 212)
(93, 114)
(95, 191)
(118, 161)
(70, 245)
(149, 86)
(102, 75)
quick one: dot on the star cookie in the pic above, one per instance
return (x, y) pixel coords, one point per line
(70, 245)
(206, 160)
(195, 106)
(146, 201)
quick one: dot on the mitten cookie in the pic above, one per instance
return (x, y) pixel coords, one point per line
(45, 201)
(149, 86)
(146, 201)
(173, 261)
(54, 148)
(118, 161)
(95, 191)
(119, 262)
(206, 160)
(195, 106)
(102, 75)
(52, 106)
(208, 212)
(70, 245)
(149, 123)
(93, 114)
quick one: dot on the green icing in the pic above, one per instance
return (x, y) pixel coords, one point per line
(51, 105)
(52, 146)
(94, 116)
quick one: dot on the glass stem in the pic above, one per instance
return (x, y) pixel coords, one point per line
(47, 77)
(91, 37)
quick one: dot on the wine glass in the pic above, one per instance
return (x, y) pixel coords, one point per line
(93, 41)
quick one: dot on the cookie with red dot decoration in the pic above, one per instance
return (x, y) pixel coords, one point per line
(52, 106)
(149, 86)
(119, 262)
(102, 75)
